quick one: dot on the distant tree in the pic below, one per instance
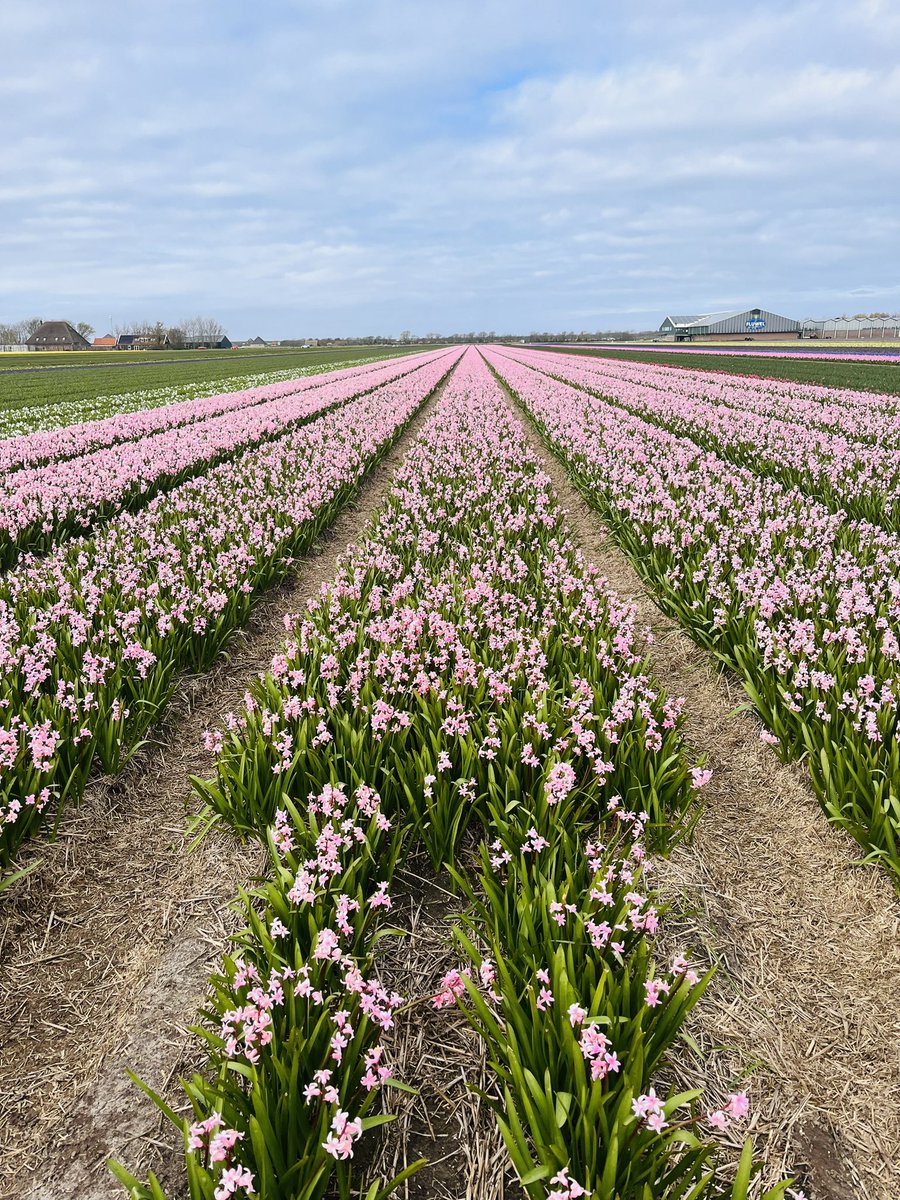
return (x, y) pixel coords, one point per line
(29, 326)
(158, 333)
(406, 335)
(203, 329)
(176, 337)
(85, 328)
(16, 333)
(136, 327)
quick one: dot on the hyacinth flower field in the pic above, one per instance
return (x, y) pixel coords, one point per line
(94, 630)
(65, 414)
(457, 702)
(95, 469)
(772, 540)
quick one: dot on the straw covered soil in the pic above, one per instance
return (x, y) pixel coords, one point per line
(803, 1010)
(107, 947)
(439, 1055)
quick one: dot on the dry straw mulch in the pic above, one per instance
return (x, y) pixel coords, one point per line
(439, 1054)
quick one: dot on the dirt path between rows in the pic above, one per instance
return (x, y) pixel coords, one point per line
(107, 948)
(805, 1007)
(439, 1055)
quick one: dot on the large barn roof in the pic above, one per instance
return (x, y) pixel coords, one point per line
(731, 321)
(708, 318)
(57, 333)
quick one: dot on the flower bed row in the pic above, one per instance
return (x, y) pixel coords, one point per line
(54, 416)
(858, 415)
(41, 506)
(93, 635)
(884, 352)
(802, 603)
(465, 669)
(164, 408)
(847, 475)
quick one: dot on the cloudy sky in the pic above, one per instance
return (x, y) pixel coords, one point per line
(306, 167)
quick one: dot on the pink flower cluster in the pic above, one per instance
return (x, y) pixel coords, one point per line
(595, 1047)
(344, 1132)
(215, 1143)
(564, 1187)
(452, 987)
(736, 1108)
(649, 1109)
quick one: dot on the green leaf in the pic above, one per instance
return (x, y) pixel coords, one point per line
(537, 1173)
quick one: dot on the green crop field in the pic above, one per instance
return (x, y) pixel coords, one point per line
(869, 377)
(40, 360)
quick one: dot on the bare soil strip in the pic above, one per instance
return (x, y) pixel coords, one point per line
(805, 1007)
(441, 1056)
(107, 948)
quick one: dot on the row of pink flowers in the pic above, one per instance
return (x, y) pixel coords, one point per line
(29, 450)
(38, 505)
(465, 665)
(772, 417)
(882, 354)
(800, 600)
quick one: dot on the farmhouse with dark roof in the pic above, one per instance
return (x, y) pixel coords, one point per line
(57, 335)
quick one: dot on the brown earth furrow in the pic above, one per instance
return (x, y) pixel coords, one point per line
(108, 946)
(805, 1007)
(440, 1055)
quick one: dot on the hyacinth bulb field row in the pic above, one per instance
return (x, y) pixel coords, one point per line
(93, 633)
(121, 422)
(90, 471)
(842, 447)
(769, 565)
(464, 674)
(62, 410)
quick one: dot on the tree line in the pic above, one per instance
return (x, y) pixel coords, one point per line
(407, 338)
(193, 329)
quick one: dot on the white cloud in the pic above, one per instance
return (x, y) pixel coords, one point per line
(481, 164)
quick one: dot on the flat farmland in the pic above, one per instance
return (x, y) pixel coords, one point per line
(38, 378)
(465, 773)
